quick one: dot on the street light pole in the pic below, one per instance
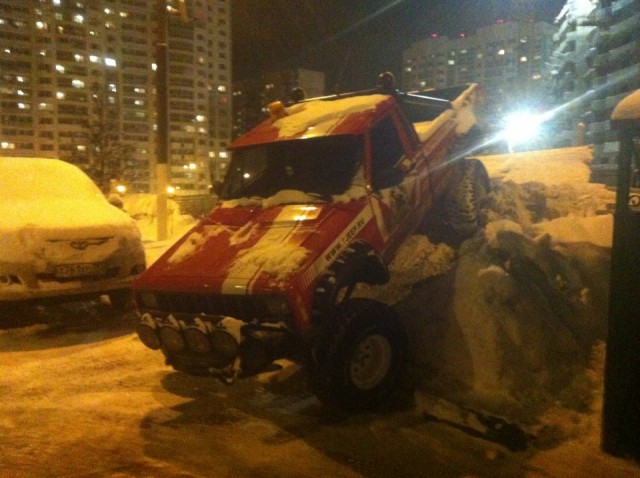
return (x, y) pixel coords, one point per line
(162, 119)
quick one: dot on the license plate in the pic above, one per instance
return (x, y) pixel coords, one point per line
(67, 271)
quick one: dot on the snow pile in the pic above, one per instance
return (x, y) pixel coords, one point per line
(142, 208)
(508, 329)
(418, 259)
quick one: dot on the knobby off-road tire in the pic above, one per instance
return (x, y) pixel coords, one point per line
(358, 359)
(462, 205)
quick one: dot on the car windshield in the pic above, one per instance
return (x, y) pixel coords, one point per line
(322, 166)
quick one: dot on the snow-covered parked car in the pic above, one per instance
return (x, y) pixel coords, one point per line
(59, 237)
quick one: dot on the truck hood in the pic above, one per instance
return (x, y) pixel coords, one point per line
(240, 249)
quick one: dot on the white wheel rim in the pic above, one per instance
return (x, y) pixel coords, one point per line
(370, 362)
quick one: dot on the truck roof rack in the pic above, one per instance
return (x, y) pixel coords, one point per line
(418, 106)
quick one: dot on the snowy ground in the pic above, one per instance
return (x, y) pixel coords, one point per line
(509, 327)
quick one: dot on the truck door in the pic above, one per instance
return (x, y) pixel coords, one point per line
(393, 189)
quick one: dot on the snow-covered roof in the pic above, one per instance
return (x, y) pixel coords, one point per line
(51, 193)
(317, 118)
(628, 108)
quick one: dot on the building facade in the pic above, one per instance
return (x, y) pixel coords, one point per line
(251, 97)
(596, 64)
(77, 82)
(508, 58)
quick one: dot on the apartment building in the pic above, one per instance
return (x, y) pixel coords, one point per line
(77, 82)
(508, 58)
(251, 96)
(596, 63)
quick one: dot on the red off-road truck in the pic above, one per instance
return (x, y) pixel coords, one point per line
(317, 199)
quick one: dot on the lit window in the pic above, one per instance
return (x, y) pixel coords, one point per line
(154, 67)
(200, 118)
(56, 3)
(77, 83)
(536, 76)
(451, 62)
(78, 57)
(139, 102)
(107, 11)
(112, 87)
(41, 25)
(60, 95)
(20, 79)
(78, 18)
(110, 62)
(60, 68)
(94, 59)
(124, 14)
(42, 52)
(7, 50)
(223, 154)
(23, 106)
(140, 90)
(523, 59)
(501, 52)
(223, 89)
(20, 93)
(81, 147)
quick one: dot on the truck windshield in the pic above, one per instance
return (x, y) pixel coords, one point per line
(323, 166)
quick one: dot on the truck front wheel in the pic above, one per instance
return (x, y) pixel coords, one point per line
(359, 357)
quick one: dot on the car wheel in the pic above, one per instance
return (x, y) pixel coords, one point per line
(462, 205)
(359, 357)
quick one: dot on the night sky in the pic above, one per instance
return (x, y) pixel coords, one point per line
(353, 40)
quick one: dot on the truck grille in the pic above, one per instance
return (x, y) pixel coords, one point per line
(241, 307)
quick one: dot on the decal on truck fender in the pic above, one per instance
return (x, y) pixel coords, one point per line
(337, 246)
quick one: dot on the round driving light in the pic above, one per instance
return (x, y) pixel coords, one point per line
(197, 340)
(148, 336)
(223, 347)
(171, 339)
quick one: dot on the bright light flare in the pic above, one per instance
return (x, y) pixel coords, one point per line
(523, 126)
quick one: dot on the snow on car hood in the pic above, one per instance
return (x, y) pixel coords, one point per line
(32, 228)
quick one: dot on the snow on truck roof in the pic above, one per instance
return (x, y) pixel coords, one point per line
(318, 118)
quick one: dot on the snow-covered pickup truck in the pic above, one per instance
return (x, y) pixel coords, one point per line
(316, 199)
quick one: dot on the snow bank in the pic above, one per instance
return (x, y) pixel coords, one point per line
(551, 166)
(142, 208)
(506, 325)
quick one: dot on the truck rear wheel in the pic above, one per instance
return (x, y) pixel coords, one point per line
(359, 358)
(462, 205)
